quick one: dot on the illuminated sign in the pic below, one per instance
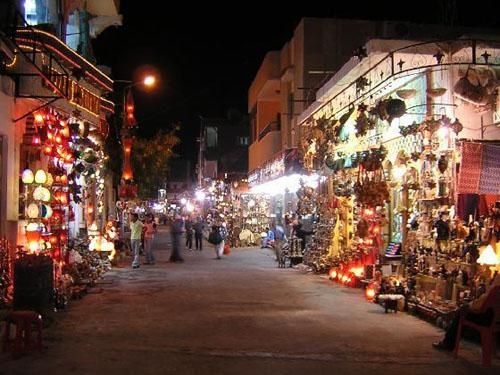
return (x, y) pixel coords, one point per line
(75, 93)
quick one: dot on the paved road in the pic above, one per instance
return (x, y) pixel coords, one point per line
(239, 315)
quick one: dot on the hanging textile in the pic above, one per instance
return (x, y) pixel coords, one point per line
(479, 169)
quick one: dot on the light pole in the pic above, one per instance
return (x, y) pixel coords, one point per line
(200, 152)
(127, 190)
(128, 122)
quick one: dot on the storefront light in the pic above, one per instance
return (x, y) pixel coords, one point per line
(200, 195)
(282, 184)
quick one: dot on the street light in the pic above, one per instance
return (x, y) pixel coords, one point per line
(129, 121)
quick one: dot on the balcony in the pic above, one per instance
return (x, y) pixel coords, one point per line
(271, 127)
(267, 145)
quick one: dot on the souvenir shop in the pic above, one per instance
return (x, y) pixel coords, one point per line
(408, 199)
(60, 194)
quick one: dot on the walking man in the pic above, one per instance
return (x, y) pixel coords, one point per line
(177, 228)
(189, 233)
(135, 239)
(279, 237)
(198, 233)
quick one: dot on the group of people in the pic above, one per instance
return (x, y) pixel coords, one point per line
(142, 234)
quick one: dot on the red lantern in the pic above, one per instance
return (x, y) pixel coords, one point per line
(370, 293)
(64, 179)
(53, 239)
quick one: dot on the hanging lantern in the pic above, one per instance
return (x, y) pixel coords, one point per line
(28, 176)
(53, 239)
(46, 211)
(64, 179)
(40, 176)
(370, 293)
(33, 235)
(32, 211)
(38, 193)
(45, 194)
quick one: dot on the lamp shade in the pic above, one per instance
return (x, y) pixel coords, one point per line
(488, 257)
(40, 176)
(28, 177)
(32, 211)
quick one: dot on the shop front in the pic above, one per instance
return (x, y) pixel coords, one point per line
(406, 194)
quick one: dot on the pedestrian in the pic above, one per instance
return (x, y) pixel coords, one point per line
(279, 238)
(188, 225)
(301, 233)
(135, 239)
(472, 312)
(149, 232)
(176, 230)
(216, 237)
(198, 233)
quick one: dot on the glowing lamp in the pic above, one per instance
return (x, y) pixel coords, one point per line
(32, 211)
(40, 176)
(90, 209)
(370, 293)
(47, 150)
(38, 118)
(53, 239)
(333, 274)
(340, 276)
(488, 257)
(33, 246)
(65, 132)
(33, 236)
(64, 179)
(28, 177)
(345, 278)
(357, 271)
(149, 81)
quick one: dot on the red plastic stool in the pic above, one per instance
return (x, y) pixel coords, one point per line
(25, 322)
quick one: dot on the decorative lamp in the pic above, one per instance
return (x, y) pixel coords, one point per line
(38, 193)
(45, 194)
(488, 257)
(28, 176)
(40, 176)
(46, 211)
(32, 211)
(370, 293)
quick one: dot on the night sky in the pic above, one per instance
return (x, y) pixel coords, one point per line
(207, 55)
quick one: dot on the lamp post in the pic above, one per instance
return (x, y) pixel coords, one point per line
(127, 190)
(129, 122)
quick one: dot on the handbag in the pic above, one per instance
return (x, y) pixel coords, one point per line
(227, 249)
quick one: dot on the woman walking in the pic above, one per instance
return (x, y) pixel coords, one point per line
(149, 232)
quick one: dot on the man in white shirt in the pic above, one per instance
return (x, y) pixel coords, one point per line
(135, 239)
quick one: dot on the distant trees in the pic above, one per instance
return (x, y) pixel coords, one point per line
(151, 161)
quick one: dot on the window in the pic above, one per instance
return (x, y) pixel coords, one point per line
(243, 141)
(211, 137)
(30, 12)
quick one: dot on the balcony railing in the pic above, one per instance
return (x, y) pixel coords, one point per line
(271, 127)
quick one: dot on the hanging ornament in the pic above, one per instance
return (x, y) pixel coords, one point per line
(28, 177)
(40, 176)
(32, 211)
